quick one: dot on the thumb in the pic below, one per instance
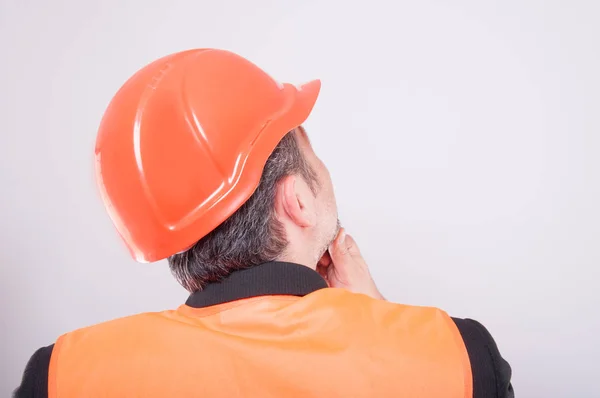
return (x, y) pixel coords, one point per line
(339, 248)
(351, 246)
(344, 246)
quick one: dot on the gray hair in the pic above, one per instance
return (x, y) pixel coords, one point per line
(252, 235)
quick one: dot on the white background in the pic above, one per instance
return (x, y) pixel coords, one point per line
(463, 138)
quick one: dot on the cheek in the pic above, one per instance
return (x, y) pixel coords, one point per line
(331, 197)
(327, 206)
(331, 210)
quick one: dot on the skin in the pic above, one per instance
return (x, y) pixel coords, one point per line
(315, 237)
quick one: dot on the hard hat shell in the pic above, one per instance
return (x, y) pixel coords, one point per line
(183, 143)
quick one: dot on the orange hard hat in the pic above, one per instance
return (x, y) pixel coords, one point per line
(183, 143)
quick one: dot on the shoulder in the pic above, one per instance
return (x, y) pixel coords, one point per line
(34, 383)
(134, 324)
(491, 372)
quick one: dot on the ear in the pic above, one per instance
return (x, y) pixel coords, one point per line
(295, 202)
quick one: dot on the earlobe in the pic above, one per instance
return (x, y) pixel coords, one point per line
(292, 198)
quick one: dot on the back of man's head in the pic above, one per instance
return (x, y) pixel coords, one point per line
(252, 235)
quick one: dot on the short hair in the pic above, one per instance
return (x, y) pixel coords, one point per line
(252, 235)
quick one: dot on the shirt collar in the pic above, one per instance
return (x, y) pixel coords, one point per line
(272, 278)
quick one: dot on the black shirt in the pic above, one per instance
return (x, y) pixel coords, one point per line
(491, 373)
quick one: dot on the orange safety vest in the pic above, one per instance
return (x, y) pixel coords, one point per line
(330, 343)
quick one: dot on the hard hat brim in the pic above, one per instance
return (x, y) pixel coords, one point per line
(307, 97)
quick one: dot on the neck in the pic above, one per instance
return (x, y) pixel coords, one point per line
(297, 256)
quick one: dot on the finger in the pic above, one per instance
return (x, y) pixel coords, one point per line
(325, 260)
(323, 272)
(351, 246)
(338, 249)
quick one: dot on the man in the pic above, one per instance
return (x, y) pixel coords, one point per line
(202, 159)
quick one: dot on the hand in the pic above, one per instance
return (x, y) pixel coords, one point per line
(343, 266)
